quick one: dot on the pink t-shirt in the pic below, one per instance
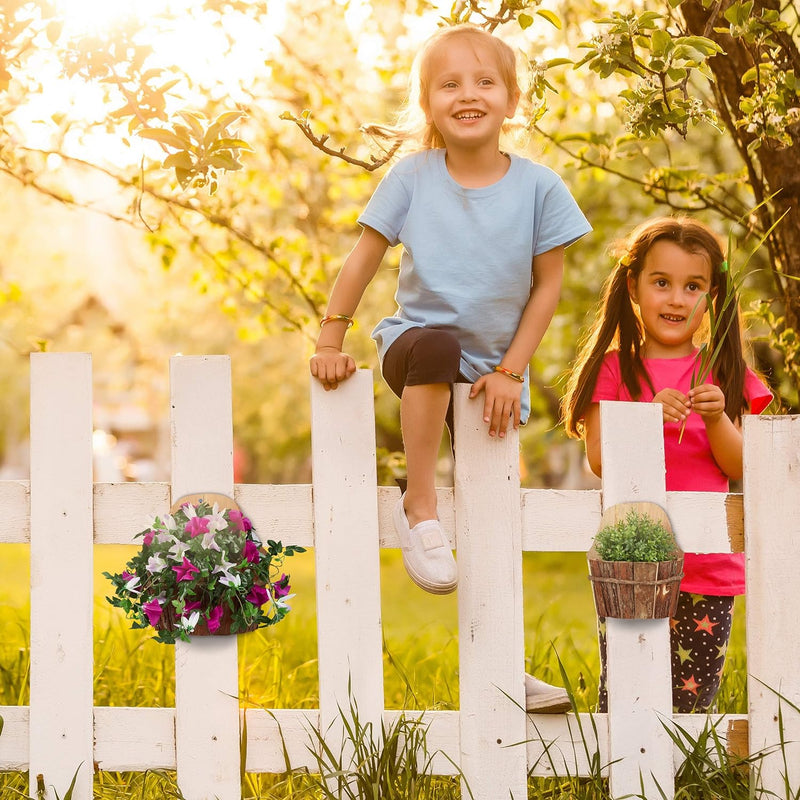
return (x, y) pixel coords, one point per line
(690, 465)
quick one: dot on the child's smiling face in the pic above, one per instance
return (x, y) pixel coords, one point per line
(468, 100)
(671, 286)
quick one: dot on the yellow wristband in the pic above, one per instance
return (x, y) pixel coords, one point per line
(515, 375)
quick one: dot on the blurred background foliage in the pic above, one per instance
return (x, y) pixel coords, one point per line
(159, 192)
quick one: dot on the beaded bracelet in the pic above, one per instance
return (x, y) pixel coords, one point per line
(515, 375)
(336, 318)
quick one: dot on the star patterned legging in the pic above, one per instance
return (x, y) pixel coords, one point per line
(699, 634)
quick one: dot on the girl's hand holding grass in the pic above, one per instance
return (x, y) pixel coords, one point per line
(708, 401)
(676, 405)
(501, 403)
(331, 366)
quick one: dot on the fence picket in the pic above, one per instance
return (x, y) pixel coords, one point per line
(61, 680)
(206, 669)
(347, 519)
(772, 530)
(491, 633)
(347, 554)
(638, 652)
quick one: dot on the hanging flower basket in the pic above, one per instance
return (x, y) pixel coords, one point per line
(635, 564)
(202, 571)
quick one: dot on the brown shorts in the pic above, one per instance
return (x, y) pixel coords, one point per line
(421, 356)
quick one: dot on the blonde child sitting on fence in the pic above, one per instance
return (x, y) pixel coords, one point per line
(641, 347)
(484, 234)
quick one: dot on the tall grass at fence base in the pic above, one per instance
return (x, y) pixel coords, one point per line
(279, 669)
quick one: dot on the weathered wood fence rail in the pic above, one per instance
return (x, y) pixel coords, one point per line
(490, 519)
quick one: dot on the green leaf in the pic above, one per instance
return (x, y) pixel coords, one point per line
(194, 123)
(525, 21)
(224, 160)
(661, 42)
(231, 144)
(54, 31)
(702, 44)
(181, 159)
(184, 176)
(552, 18)
(163, 136)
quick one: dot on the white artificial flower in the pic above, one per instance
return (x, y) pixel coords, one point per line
(209, 543)
(155, 564)
(190, 623)
(228, 578)
(176, 552)
(216, 520)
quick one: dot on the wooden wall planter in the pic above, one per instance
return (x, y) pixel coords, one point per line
(635, 589)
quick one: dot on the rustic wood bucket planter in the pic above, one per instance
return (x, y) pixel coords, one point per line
(635, 589)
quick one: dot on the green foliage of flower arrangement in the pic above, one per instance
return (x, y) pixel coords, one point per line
(199, 566)
(637, 537)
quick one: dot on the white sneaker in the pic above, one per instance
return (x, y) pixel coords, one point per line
(542, 698)
(427, 556)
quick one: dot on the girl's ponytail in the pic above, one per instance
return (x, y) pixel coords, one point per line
(730, 367)
(616, 323)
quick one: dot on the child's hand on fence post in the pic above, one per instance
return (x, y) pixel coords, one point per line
(501, 402)
(331, 366)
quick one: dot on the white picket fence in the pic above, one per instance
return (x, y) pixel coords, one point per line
(346, 518)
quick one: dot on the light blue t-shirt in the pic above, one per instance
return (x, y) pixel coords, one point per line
(467, 253)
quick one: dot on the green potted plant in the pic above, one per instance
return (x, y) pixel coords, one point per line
(635, 565)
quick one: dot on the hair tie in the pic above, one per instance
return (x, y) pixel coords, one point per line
(723, 267)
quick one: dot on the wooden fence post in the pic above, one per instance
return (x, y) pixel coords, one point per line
(61, 681)
(772, 545)
(347, 553)
(490, 628)
(638, 651)
(206, 669)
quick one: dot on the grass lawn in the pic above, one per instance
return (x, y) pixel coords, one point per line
(279, 665)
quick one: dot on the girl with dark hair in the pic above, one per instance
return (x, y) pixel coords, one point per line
(642, 348)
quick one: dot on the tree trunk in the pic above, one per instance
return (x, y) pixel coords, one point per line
(774, 169)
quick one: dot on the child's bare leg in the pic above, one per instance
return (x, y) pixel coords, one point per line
(422, 414)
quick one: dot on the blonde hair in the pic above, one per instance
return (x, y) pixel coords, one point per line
(412, 123)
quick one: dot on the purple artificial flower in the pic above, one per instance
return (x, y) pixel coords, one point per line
(185, 571)
(214, 619)
(242, 522)
(152, 608)
(197, 526)
(251, 552)
(281, 587)
(126, 576)
(148, 537)
(258, 595)
(192, 605)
